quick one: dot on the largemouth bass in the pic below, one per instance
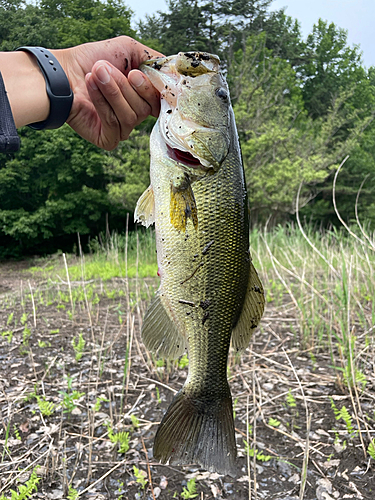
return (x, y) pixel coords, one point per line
(209, 291)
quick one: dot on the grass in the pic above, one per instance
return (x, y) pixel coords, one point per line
(330, 290)
(324, 298)
(117, 256)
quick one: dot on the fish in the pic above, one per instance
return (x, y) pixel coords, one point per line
(210, 295)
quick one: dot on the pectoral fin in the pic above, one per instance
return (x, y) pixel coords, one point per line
(183, 206)
(145, 209)
(251, 314)
(159, 332)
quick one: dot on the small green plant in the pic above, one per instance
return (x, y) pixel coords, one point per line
(158, 394)
(160, 363)
(8, 334)
(42, 343)
(120, 439)
(259, 455)
(290, 399)
(79, 346)
(10, 318)
(47, 408)
(23, 319)
(183, 362)
(135, 421)
(24, 490)
(120, 489)
(17, 433)
(55, 331)
(99, 401)
(273, 422)
(69, 397)
(190, 491)
(140, 476)
(26, 334)
(32, 395)
(73, 494)
(344, 415)
(371, 449)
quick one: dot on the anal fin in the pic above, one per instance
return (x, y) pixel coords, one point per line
(251, 313)
(159, 332)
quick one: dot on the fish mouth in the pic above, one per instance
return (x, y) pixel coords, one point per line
(184, 157)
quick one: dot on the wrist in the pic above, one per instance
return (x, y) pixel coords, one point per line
(25, 86)
(57, 88)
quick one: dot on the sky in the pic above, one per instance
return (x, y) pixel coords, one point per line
(356, 16)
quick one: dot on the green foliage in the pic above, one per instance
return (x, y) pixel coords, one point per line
(8, 334)
(24, 490)
(78, 346)
(61, 24)
(73, 494)
(128, 170)
(371, 449)
(273, 422)
(99, 401)
(140, 476)
(259, 455)
(10, 318)
(282, 144)
(120, 439)
(331, 66)
(183, 362)
(17, 433)
(51, 188)
(190, 491)
(69, 397)
(290, 399)
(47, 408)
(135, 421)
(344, 415)
(158, 398)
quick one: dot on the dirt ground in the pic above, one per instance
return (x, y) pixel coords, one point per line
(277, 378)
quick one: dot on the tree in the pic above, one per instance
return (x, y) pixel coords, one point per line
(55, 186)
(282, 145)
(128, 170)
(218, 27)
(61, 23)
(330, 67)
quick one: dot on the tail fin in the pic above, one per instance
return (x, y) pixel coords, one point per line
(200, 432)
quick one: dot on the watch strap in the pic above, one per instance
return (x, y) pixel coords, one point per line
(57, 86)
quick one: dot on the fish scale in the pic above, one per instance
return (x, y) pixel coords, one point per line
(209, 289)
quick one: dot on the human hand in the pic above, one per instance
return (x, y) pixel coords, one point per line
(111, 96)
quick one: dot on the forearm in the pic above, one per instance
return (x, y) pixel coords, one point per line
(26, 87)
(111, 95)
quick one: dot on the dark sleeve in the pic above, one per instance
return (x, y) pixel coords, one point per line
(9, 139)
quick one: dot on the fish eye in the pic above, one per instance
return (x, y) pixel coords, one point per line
(222, 93)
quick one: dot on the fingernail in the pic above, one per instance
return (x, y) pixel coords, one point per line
(137, 79)
(90, 79)
(102, 73)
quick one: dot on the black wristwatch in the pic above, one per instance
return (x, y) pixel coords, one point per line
(57, 86)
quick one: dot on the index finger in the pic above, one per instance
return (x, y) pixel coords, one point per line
(142, 85)
(140, 53)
